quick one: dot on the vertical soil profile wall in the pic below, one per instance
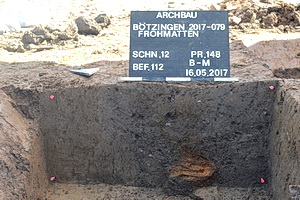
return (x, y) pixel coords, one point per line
(22, 164)
(140, 134)
(285, 143)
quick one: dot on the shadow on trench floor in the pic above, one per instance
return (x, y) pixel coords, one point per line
(59, 191)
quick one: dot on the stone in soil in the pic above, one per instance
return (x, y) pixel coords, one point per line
(87, 26)
(103, 20)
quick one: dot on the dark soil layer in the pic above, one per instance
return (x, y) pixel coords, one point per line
(174, 137)
(133, 134)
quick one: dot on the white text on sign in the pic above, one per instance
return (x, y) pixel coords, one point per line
(151, 54)
(148, 67)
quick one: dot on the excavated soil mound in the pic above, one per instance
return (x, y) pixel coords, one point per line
(251, 16)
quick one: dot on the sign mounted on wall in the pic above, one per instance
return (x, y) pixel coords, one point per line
(179, 45)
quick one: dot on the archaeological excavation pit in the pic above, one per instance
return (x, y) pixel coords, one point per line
(150, 141)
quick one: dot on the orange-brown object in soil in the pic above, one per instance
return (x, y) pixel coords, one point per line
(193, 167)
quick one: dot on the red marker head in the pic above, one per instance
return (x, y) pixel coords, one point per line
(271, 87)
(52, 178)
(51, 97)
(262, 180)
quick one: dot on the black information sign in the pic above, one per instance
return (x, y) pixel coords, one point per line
(179, 44)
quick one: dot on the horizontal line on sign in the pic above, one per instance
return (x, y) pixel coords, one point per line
(131, 78)
(227, 79)
(177, 79)
(202, 79)
(154, 79)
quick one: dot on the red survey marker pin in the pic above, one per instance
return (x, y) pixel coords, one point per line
(52, 178)
(51, 97)
(262, 180)
(271, 87)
